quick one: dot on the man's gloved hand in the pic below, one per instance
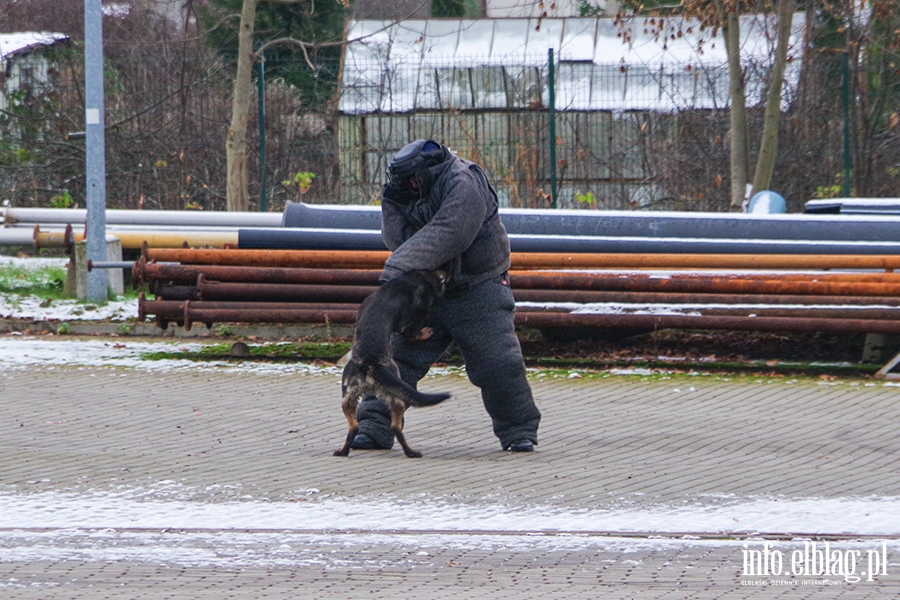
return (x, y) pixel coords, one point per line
(401, 194)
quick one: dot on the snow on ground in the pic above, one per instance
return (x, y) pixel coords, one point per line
(19, 352)
(139, 525)
(36, 308)
(286, 549)
(33, 263)
(141, 509)
(33, 307)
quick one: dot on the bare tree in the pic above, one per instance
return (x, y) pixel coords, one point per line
(726, 15)
(873, 54)
(740, 134)
(237, 185)
(723, 16)
(765, 163)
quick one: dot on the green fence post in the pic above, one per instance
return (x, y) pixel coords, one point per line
(551, 84)
(261, 106)
(845, 100)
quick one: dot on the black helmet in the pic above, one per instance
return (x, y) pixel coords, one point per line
(414, 158)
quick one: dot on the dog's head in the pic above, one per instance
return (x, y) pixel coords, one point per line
(436, 280)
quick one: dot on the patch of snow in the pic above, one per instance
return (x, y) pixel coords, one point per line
(233, 549)
(20, 352)
(135, 509)
(33, 264)
(36, 308)
(15, 306)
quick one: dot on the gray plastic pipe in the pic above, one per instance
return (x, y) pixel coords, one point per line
(638, 224)
(370, 239)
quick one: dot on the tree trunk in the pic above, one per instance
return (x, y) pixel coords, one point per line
(740, 153)
(768, 149)
(237, 185)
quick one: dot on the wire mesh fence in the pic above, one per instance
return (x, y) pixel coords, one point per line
(624, 138)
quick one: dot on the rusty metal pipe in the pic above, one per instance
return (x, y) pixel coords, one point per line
(280, 292)
(582, 296)
(172, 310)
(717, 261)
(172, 292)
(375, 259)
(817, 275)
(678, 298)
(702, 283)
(845, 312)
(708, 285)
(327, 259)
(259, 292)
(144, 272)
(293, 315)
(542, 320)
(655, 322)
(164, 290)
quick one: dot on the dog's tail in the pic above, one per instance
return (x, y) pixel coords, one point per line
(387, 379)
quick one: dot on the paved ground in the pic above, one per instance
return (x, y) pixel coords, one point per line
(466, 520)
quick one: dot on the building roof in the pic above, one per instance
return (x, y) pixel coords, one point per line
(395, 67)
(12, 43)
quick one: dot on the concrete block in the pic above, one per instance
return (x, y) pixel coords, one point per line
(78, 266)
(879, 347)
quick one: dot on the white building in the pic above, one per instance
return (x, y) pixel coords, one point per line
(25, 65)
(483, 87)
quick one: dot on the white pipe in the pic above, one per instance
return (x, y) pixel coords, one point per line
(189, 218)
(16, 236)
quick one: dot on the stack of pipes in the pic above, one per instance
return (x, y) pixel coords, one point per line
(571, 269)
(318, 227)
(552, 291)
(61, 228)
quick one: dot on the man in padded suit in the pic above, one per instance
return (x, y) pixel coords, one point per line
(438, 211)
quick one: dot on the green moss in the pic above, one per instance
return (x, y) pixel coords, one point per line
(552, 368)
(282, 351)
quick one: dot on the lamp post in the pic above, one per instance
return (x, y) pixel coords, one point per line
(95, 149)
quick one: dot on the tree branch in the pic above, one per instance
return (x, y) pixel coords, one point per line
(304, 46)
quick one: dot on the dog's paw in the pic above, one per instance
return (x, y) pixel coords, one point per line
(422, 334)
(342, 452)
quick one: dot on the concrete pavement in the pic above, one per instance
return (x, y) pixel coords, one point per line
(624, 498)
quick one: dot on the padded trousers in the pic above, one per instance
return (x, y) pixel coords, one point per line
(481, 322)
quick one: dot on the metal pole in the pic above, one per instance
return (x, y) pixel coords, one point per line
(95, 149)
(551, 84)
(845, 100)
(261, 105)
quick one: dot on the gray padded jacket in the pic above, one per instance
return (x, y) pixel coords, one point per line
(456, 226)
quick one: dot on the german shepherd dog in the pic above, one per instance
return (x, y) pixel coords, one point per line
(400, 305)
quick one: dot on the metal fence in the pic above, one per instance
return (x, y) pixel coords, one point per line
(624, 136)
(612, 127)
(168, 113)
(601, 161)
